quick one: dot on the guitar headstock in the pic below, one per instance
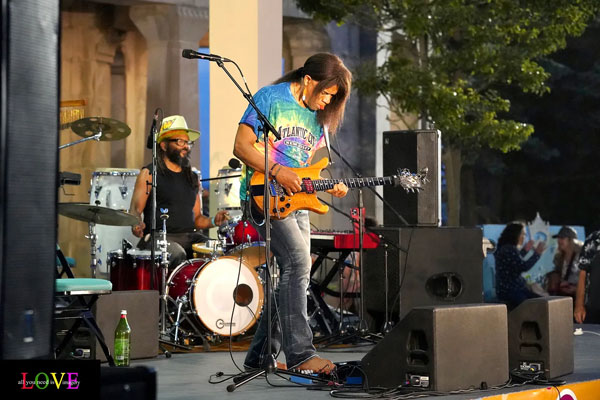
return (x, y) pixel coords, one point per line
(409, 181)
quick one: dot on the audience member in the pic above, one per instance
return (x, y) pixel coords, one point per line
(587, 299)
(562, 281)
(511, 287)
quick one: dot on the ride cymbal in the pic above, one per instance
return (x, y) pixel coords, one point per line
(96, 214)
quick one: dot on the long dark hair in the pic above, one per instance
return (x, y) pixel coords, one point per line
(511, 234)
(328, 70)
(187, 170)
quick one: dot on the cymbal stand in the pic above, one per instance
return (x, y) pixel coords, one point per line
(95, 137)
(162, 246)
(387, 325)
(93, 239)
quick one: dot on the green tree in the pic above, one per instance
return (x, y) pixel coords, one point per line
(448, 59)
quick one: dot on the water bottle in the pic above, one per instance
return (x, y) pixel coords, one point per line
(122, 341)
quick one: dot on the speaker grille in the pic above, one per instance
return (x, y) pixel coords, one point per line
(413, 150)
(29, 135)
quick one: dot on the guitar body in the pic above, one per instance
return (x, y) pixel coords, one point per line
(281, 205)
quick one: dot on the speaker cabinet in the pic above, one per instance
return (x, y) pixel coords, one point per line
(443, 348)
(426, 267)
(142, 314)
(541, 336)
(414, 150)
(29, 83)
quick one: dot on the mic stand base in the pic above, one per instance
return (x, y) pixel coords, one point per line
(245, 377)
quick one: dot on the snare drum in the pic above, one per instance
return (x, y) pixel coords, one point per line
(133, 272)
(209, 290)
(112, 188)
(211, 248)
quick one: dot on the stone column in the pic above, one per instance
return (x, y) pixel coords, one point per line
(87, 52)
(249, 32)
(172, 79)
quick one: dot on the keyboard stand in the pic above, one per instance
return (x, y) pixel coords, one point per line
(320, 310)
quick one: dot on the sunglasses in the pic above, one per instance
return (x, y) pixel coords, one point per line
(182, 142)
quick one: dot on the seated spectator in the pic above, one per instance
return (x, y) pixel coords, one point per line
(562, 281)
(511, 287)
(587, 298)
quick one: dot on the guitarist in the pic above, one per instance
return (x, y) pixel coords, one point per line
(299, 105)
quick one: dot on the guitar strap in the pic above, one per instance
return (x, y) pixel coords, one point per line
(327, 143)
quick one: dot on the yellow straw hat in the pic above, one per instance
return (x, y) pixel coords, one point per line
(173, 125)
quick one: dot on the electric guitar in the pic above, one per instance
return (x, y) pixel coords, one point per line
(282, 205)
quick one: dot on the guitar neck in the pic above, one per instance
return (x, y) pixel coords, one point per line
(319, 185)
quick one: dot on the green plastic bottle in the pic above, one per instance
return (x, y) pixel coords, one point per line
(122, 341)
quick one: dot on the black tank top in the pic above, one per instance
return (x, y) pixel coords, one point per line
(174, 192)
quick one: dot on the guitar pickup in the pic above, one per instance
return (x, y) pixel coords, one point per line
(273, 189)
(307, 186)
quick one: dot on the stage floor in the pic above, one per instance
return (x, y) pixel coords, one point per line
(186, 376)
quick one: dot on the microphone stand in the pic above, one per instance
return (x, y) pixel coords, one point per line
(266, 127)
(163, 298)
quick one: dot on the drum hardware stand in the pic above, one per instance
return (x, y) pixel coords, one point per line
(176, 329)
(95, 137)
(162, 245)
(93, 239)
(165, 334)
(387, 325)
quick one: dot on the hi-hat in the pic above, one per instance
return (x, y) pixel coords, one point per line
(111, 128)
(96, 214)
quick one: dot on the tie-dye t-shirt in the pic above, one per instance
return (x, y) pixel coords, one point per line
(301, 134)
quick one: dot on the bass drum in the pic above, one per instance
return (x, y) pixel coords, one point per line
(211, 293)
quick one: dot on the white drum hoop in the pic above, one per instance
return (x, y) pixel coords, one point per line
(211, 295)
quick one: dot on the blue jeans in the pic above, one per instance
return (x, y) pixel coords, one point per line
(290, 243)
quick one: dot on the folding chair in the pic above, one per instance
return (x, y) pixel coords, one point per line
(75, 298)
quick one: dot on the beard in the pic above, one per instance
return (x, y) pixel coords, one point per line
(174, 156)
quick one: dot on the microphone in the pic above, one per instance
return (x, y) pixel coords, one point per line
(191, 54)
(235, 163)
(152, 129)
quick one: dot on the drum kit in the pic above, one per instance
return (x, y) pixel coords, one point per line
(218, 293)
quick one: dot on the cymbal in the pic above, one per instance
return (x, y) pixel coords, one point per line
(96, 214)
(111, 128)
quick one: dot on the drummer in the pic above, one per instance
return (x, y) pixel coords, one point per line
(177, 190)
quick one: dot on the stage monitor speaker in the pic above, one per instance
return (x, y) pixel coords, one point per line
(443, 348)
(541, 336)
(433, 266)
(415, 150)
(142, 314)
(29, 112)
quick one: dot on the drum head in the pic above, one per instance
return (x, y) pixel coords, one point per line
(216, 290)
